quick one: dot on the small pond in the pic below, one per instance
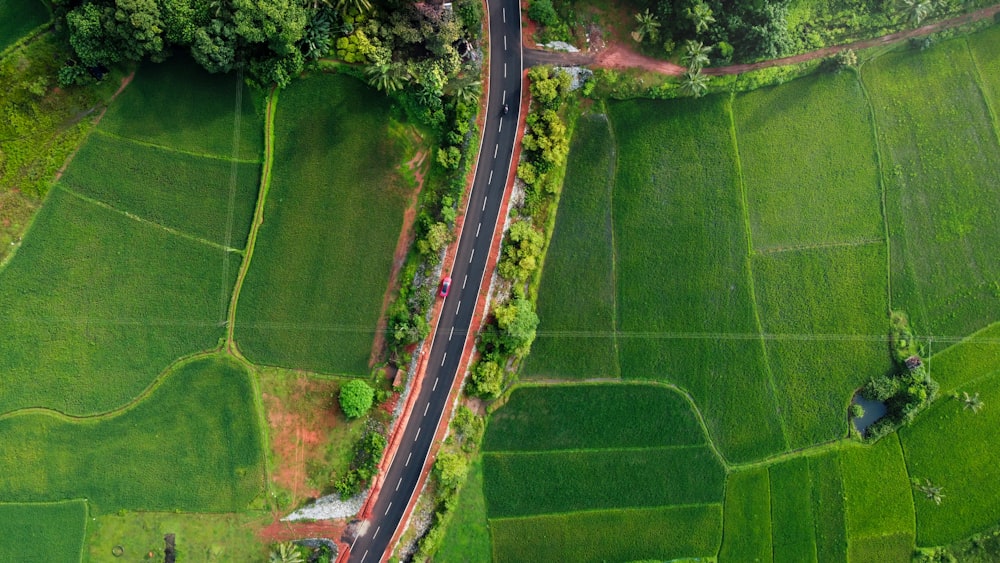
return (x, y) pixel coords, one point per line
(874, 410)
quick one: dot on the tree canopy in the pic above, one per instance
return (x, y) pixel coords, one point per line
(356, 397)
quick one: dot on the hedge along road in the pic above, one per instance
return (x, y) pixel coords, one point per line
(495, 154)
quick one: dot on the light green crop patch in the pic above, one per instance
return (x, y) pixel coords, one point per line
(467, 539)
(42, 532)
(804, 187)
(878, 496)
(747, 523)
(793, 533)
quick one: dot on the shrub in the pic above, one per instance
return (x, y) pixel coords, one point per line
(356, 398)
(542, 12)
(856, 411)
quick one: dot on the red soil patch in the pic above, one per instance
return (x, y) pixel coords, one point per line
(279, 531)
(299, 425)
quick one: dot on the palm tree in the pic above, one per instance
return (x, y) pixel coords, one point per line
(973, 403)
(286, 552)
(359, 6)
(385, 77)
(929, 490)
(467, 91)
(701, 15)
(695, 55)
(916, 10)
(648, 27)
(694, 83)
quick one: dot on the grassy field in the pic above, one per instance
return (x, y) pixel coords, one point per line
(828, 507)
(180, 105)
(746, 533)
(793, 531)
(967, 361)
(618, 535)
(985, 48)
(547, 482)
(954, 448)
(97, 304)
(942, 188)
(198, 428)
(18, 17)
(314, 291)
(177, 190)
(42, 532)
(685, 305)
(580, 260)
(199, 537)
(567, 417)
(878, 500)
(807, 193)
(828, 310)
(468, 537)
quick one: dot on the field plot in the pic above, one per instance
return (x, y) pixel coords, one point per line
(468, 537)
(878, 502)
(827, 311)
(96, 304)
(577, 292)
(955, 448)
(177, 190)
(943, 190)
(42, 532)
(651, 461)
(685, 307)
(802, 188)
(18, 17)
(828, 507)
(575, 417)
(985, 47)
(747, 523)
(314, 291)
(610, 535)
(180, 105)
(972, 359)
(198, 428)
(793, 532)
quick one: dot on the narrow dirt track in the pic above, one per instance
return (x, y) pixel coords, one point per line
(618, 56)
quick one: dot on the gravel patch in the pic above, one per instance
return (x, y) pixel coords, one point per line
(329, 507)
(561, 46)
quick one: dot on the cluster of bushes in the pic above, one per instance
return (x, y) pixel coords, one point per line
(367, 454)
(511, 329)
(553, 25)
(906, 390)
(449, 473)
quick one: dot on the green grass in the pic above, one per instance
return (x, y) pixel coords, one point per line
(828, 309)
(892, 548)
(941, 161)
(579, 259)
(618, 535)
(822, 191)
(971, 359)
(793, 533)
(955, 449)
(180, 105)
(198, 537)
(467, 539)
(876, 490)
(177, 190)
(746, 533)
(42, 532)
(985, 47)
(685, 305)
(96, 304)
(314, 291)
(828, 507)
(561, 417)
(193, 444)
(538, 483)
(18, 17)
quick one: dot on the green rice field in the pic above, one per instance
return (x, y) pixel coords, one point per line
(314, 290)
(581, 261)
(792, 527)
(97, 304)
(54, 531)
(878, 500)
(747, 523)
(198, 428)
(18, 17)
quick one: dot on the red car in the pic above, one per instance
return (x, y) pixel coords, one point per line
(445, 286)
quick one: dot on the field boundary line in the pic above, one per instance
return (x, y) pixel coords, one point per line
(748, 264)
(982, 89)
(166, 148)
(606, 510)
(971, 338)
(883, 185)
(614, 247)
(138, 219)
(258, 220)
(817, 246)
(498, 453)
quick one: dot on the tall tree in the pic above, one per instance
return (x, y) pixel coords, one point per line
(648, 27)
(695, 55)
(694, 83)
(700, 15)
(915, 11)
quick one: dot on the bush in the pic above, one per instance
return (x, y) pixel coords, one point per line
(356, 397)
(542, 12)
(856, 411)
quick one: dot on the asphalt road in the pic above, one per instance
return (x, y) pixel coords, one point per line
(467, 277)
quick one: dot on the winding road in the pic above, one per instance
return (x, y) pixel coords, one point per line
(468, 274)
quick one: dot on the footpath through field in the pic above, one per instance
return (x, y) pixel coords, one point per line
(619, 56)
